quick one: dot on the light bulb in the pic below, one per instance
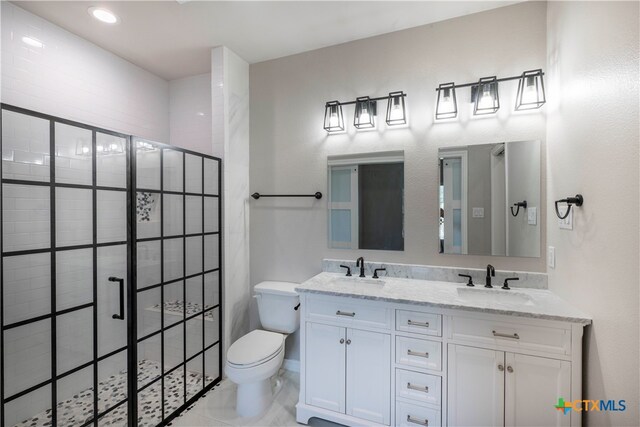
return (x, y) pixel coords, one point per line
(530, 93)
(85, 149)
(486, 101)
(333, 118)
(396, 109)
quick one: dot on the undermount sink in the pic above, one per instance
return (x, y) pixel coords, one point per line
(483, 295)
(351, 281)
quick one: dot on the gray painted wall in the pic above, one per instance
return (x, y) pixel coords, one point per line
(289, 148)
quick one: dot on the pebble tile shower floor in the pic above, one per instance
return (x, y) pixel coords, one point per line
(77, 410)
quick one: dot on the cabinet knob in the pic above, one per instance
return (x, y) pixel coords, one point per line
(341, 340)
(500, 368)
(348, 342)
(509, 369)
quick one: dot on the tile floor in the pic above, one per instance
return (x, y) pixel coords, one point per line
(79, 409)
(217, 407)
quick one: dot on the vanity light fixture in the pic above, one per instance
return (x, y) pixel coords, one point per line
(104, 15)
(333, 118)
(365, 114)
(447, 104)
(486, 99)
(396, 111)
(530, 90)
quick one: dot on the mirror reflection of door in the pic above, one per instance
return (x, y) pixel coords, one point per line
(453, 209)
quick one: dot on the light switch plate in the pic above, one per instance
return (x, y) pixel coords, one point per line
(532, 216)
(551, 257)
(478, 212)
(567, 223)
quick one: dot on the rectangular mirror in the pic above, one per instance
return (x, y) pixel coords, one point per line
(366, 201)
(489, 199)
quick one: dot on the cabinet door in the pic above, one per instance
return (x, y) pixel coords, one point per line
(369, 375)
(325, 366)
(475, 386)
(533, 386)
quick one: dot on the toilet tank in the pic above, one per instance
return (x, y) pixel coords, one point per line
(278, 306)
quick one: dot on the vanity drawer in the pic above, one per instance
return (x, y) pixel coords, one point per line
(420, 387)
(419, 323)
(419, 353)
(525, 337)
(348, 312)
(413, 415)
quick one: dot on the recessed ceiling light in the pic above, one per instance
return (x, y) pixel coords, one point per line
(32, 42)
(104, 15)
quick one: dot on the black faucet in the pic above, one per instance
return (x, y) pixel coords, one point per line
(375, 272)
(360, 263)
(491, 272)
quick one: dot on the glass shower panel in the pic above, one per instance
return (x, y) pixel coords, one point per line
(74, 278)
(27, 292)
(26, 219)
(76, 227)
(75, 398)
(25, 147)
(111, 167)
(74, 217)
(111, 215)
(74, 154)
(112, 333)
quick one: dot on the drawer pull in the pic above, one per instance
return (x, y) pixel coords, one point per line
(414, 323)
(417, 353)
(413, 420)
(345, 313)
(423, 388)
(510, 336)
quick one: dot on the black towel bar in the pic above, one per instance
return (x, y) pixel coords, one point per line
(317, 195)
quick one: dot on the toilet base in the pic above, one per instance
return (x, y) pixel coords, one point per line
(253, 398)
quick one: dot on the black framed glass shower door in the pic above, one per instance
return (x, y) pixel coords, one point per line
(75, 324)
(178, 277)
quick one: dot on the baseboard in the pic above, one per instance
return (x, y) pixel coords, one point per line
(291, 365)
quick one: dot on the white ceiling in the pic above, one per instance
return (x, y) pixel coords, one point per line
(174, 40)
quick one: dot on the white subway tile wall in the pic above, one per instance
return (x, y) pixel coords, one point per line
(111, 168)
(25, 147)
(73, 154)
(27, 289)
(190, 113)
(72, 78)
(74, 217)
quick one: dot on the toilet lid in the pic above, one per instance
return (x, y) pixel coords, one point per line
(255, 347)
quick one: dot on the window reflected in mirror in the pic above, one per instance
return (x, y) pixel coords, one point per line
(366, 201)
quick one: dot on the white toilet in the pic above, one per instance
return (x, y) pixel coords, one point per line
(253, 359)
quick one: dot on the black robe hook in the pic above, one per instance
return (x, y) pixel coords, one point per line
(578, 201)
(522, 204)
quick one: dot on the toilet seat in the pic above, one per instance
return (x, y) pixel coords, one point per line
(255, 348)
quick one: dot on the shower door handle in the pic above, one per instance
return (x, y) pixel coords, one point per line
(121, 291)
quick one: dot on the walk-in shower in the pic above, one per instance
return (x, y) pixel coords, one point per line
(110, 287)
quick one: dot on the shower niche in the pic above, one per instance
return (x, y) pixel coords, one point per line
(110, 285)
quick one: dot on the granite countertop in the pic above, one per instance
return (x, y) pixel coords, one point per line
(533, 303)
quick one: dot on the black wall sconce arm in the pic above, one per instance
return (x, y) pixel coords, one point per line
(578, 200)
(522, 204)
(317, 195)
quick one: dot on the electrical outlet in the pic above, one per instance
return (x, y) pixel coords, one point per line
(567, 223)
(551, 257)
(532, 216)
(477, 213)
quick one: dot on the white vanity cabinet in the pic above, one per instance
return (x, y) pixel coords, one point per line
(373, 362)
(348, 370)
